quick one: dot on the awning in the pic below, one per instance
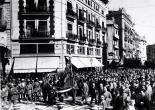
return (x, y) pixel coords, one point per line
(96, 63)
(47, 64)
(91, 62)
(86, 62)
(25, 65)
(77, 63)
(3, 39)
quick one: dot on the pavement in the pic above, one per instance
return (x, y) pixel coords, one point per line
(66, 105)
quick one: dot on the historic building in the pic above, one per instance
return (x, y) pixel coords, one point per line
(47, 34)
(126, 32)
(112, 41)
(151, 53)
(5, 31)
(143, 54)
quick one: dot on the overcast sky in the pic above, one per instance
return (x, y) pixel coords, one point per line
(142, 13)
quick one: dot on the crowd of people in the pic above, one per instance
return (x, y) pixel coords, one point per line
(121, 89)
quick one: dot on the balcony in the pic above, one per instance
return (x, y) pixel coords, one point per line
(71, 37)
(98, 27)
(71, 14)
(82, 39)
(39, 11)
(82, 19)
(36, 36)
(103, 30)
(90, 23)
(3, 25)
(92, 41)
(99, 43)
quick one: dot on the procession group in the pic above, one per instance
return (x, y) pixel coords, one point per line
(121, 89)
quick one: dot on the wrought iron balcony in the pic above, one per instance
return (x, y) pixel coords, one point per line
(90, 23)
(70, 13)
(92, 41)
(99, 43)
(36, 36)
(98, 27)
(82, 19)
(82, 39)
(71, 37)
(3, 25)
(103, 30)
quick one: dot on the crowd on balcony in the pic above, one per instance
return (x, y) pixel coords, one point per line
(122, 89)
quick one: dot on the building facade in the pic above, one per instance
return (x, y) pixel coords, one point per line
(112, 41)
(143, 53)
(151, 53)
(5, 31)
(127, 34)
(47, 34)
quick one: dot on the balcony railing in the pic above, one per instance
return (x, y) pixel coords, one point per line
(71, 13)
(99, 43)
(71, 37)
(98, 27)
(82, 39)
(90, 23)
(92, 41)
(36, 36)
(3, 24)
(82, 18)
(103, 29)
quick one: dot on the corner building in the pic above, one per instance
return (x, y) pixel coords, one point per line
(48, 34)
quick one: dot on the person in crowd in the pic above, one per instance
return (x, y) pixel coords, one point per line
(44, 88)
(36, 89)
(4, 94)
(14, 94)
(93, 92)
(85, 92)
(29, 91)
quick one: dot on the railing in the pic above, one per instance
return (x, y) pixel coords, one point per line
(98, 26)
(99, 43)
(82, 39)
(3, 24)
(82, 18)
(92, 41)
(71, 13)
(90, 23)
(36, 36)
(71, 37)
(36, 10)
(103, 29)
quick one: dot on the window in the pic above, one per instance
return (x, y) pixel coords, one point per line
(45, 48)
(28, 49)
(89, 51)
(80, 29)
(36, 48)
(97, 52)
(81, 50)
(36, 28)
(70, 49)
(69, 5)
(69, 26)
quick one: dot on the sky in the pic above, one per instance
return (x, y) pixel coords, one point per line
(142, 14)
